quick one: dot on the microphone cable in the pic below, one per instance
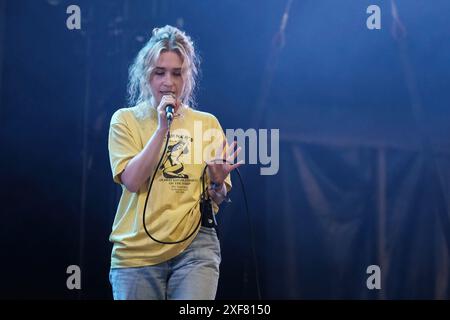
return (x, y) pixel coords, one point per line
(250, 225)
(148, 194)
(203, 198)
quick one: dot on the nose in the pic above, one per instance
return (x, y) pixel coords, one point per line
(168, 80)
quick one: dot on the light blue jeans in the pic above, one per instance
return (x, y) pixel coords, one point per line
(192, 275)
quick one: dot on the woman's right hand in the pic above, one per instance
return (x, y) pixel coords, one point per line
(161, 109)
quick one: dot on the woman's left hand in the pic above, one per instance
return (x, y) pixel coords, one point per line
(218, 169)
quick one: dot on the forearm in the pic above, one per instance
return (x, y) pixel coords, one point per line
(139, 169)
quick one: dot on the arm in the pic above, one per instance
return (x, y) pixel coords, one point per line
(139, 169)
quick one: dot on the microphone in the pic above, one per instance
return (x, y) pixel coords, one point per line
(169, 114)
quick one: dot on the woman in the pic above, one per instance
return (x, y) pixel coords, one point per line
(168, 255)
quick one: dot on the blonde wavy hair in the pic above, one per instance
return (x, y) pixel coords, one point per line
(167, 38)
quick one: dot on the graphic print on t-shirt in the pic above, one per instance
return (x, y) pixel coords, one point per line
(175, 172)
(172, 166)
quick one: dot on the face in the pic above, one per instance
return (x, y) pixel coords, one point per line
(166, 78)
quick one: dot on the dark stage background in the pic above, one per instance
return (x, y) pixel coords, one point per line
(364, 119)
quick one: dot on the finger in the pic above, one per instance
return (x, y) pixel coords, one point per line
(224, 149)
(163, 103)
(232, 157)
(170, 100)
(234, 166)
(231, 148)
(221, 149)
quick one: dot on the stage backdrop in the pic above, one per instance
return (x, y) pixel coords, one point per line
(364, 150)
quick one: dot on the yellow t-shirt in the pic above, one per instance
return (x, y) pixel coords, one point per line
(173, 209)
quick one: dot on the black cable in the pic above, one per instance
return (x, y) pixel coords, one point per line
(252, 237)
(148, 194)
(250, 225)
(203, 198)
